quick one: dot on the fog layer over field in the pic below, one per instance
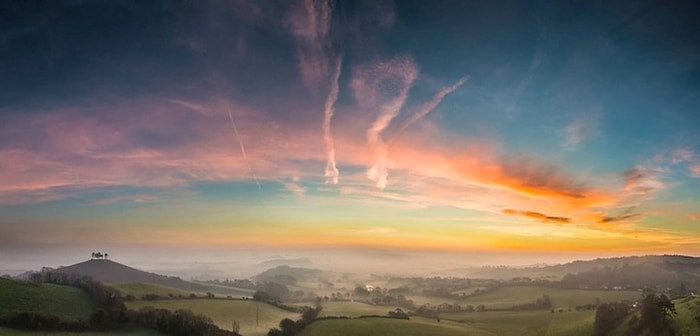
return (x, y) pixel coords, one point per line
(203, 264)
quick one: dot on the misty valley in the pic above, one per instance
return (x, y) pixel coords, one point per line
(649, 295)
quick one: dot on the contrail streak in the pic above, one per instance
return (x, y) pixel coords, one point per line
(429, 106)
(240, 142)
(332, 172)
(406, 73)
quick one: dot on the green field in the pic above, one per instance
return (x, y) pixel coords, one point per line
(352, 309)
(68, 303)
(685, 319)
(507, 297)
(139, 289)
(220, 290)
(386, 327)
(255, 318)
(13, 332)
(532, 322)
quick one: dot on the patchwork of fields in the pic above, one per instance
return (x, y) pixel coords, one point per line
(256, 318)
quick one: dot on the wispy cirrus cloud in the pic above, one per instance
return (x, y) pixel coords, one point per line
(151, 144)
(688, 157)
(383, 86)
(146, 147)
(576, 133)
(320, 66)
(681, 155)
(640, 180)
(694, 170)
(431, 105)
(331, 172)
(310, 24)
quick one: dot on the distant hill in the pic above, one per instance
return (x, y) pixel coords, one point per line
(295, 262)
(108, 271)
(674, 273)
(600, 263)
(664, 272)
(288, 275)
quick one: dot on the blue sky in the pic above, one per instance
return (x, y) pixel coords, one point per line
(408, 125)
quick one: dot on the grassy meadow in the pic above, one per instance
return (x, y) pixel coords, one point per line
(255, 318)
(68, 303)
(352, 309)
(386, 327)
(220, 290)
(528, 322)
(507, 297)
(687, 309)
(138, 332)
(139, 289)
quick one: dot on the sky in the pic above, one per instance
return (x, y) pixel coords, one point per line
(522, 127)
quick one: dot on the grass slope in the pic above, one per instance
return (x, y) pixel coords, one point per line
(139, 332)
(224, 312)
(520, 323)
(220, 290)
(507, 297)
(68, 303)
(685, 319)
(385, 327)
(352, 309)
(108, 271)
(139, 289)
(537, 322)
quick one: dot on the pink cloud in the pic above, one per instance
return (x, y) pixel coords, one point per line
(695, 170)
(173, 144)
(681, 155)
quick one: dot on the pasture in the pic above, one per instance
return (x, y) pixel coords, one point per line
(139, 289)
(530, 322)
(67, 303)
(687, 309)
(255, 318)
(138, 332)
(385, 327)
(352, 309)
(507, 297)
(220, 290)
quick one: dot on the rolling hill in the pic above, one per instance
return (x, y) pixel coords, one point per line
(661, 271)
(287, 275)
(108, 271)
(68, 303)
